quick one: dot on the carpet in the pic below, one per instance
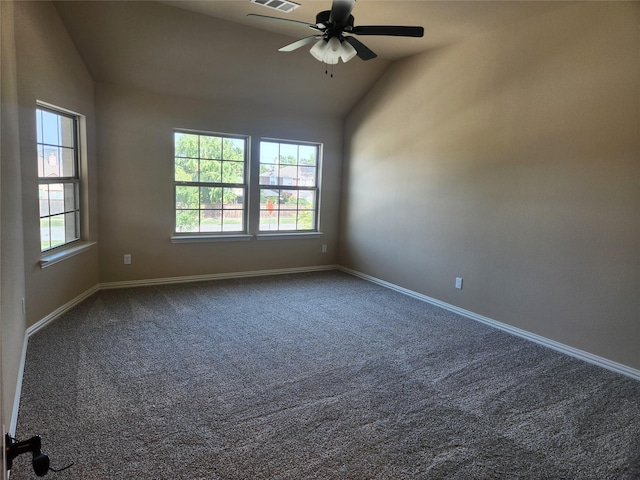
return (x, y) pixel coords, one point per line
(316, 375)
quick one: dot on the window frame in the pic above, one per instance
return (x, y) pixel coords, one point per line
(74, 180)
(315, 189)
(200, 235)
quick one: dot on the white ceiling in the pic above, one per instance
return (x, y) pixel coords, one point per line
(213, 51)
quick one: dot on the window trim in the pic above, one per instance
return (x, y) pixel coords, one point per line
(296, 233)
(59, 251)
(195, 237)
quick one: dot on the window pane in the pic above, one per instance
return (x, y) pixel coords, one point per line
(268, 221)
(70, 223)
(50, 133)
(233, 149)
(287, 219)
(210, 197)
(67, 162)
(210, 171)
(307, 199)
(269, 152)
(288, 154)
(233, 198)
(43, 196)
(45, 233)
(210, 221)
(269, 198)
(187, 197)
(210, 147)
(186, 170)
(306, 220)
(56, 198)
(288, 175)
(307, 176)
(58, 236)
(232, 221)
(186, 145)
(40, 161)
(232, 172)
(70, 197)
(187, 221)
(51, 162)
(269, 174)
(308, 154)
(289, 197)
(66, 132)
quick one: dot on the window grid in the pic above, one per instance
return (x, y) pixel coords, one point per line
(288, 186)
(210, 182)
(58, 177)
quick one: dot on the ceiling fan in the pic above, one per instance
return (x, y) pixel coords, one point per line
(335, 39)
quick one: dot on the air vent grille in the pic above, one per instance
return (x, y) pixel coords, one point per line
(280, 5)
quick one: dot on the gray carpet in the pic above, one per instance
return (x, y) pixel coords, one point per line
(319, 375)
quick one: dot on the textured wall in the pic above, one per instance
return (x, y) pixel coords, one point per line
(511, 160)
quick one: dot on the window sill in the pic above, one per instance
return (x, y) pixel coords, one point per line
(288, 236)
(210, 238)
(52, 258)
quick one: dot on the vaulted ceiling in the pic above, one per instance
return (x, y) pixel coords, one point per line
(212, 50)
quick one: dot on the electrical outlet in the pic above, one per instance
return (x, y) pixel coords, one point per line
(127, 259)
(324, 249)
(459, 283)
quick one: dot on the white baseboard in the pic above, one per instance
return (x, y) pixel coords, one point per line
(16, 399)
(214, 276)
(60, 310)
(560, 347)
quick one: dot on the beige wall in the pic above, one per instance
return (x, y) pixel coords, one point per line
(135, 134)
(12, 322)
(511, 160)
(50, 70)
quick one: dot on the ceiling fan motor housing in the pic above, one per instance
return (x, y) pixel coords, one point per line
(323, 18)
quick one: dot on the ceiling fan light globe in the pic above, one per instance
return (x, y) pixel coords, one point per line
(319, 50)
(331, 60)
(332, 54)
(347, 52)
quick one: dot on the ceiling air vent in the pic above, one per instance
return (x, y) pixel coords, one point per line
(280, 5)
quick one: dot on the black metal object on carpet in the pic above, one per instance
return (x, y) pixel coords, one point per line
(13, 448)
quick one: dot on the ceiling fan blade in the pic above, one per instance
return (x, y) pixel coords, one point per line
(300, 43)
(284, 20)
(340, 12)
(361, 49)
(389, 30)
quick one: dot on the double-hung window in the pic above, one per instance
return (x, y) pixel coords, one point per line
(58, 177)
(288, 186)
(210, 183)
